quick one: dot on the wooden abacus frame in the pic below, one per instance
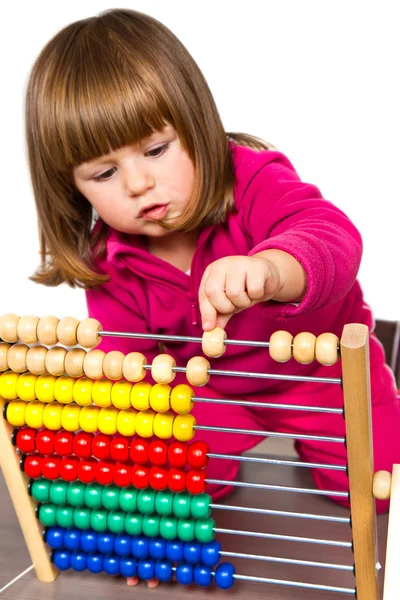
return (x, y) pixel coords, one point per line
(354, 351)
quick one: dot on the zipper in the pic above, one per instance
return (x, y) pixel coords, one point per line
(193, 312)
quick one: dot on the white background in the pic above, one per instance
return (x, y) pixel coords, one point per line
(318, 79)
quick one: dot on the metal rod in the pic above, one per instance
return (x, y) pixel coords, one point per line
(297, 436)
(262, 375)
(275, 461)
(289, 561)
(311, 586)
(280, 513)
(288, 538)
(337, 411)
(279, 488)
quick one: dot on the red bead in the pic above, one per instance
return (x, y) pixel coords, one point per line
(176, 479)
(177, 452)
(195, 481)
(197, 455)
(157, 452)
(69, 468)
(101, 446)
(158, 478)
(104, 472)
(140, 476)
(122, 474)
(33, 465)
(26, 441)
(119, 448)
(138, 450)
(51, 467)
(82, 444)
(45, 441)
(87, 470)
(63, 442)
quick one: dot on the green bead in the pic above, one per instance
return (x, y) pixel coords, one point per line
(47, 515)
(116, 521)
(204, 530)
(109, 497)
(65, 516)
(92, 496)
(82, 518)
(58, 492)
(75, 493)
(40, 490)
(98, 520)
(181, 505)
(133, 523)
(168, 528)
(186, 529)
(200, 506)
(128, 499)
(151, 525)
(164, 503)
(146, 501)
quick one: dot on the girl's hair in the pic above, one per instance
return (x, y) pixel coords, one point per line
(100, 84)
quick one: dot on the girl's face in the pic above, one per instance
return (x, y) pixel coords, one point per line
(134, 186)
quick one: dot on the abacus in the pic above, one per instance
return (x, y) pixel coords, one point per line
(114, 499)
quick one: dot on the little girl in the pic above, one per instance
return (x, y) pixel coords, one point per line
(174, 226)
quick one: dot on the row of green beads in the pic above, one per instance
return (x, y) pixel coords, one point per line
(147, 501)
(168, 528)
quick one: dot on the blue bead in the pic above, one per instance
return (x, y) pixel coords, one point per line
(192, 552)
(184, 574)
(72, 539)
(210, 553)
(78, 561)
(157, 548)
(55, 537)
(111, 565)
(174, 550)
(122, 545)
(145, 569)
(202, 575)
(140, 547)
(105, 542)
(95, 563)
(163, 570)
(89, 541)
(127, 567)
(224, 576)
(62, 559)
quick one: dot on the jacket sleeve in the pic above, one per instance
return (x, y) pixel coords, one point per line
(281, 212)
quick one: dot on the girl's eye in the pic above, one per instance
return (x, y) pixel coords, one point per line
(106, 175)
(157, 151)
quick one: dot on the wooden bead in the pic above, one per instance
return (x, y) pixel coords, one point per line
(27, 330)
(66, 331)
(196, 371)
(88, 333)
(381, 485)
(162, 368)
(3, 356)
(47, 330)
(35, 359)
(16, 357)
(93, 364)
(133, 366)
(280, 346)
(74, 362)
(55, 361)
(326, 349)
(8, 327)
(213, 342)
(112, 364)
(304, 347)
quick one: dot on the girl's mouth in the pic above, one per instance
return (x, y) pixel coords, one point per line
(156, 212)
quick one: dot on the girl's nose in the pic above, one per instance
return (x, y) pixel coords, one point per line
(138, 180)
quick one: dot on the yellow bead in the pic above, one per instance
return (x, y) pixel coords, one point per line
(34, 414)
(26, 387)
(4, 348)
(88, 418)
(133, 366)
(63, 389)
(163, 425)
(181, 399)
(140, 395)
(44, 388)
(107, 422)
(144, 423)
(8, 327)
(162, 368)
(159, 397)
(8, 385)
(16, 357)
(82, 391)
(183, 428)
(101, 392)
(52, 415)
(70, 417)
(121, 394)
(15, 413)
(126, 422)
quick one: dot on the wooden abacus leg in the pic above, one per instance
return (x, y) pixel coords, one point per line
(24, 505)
